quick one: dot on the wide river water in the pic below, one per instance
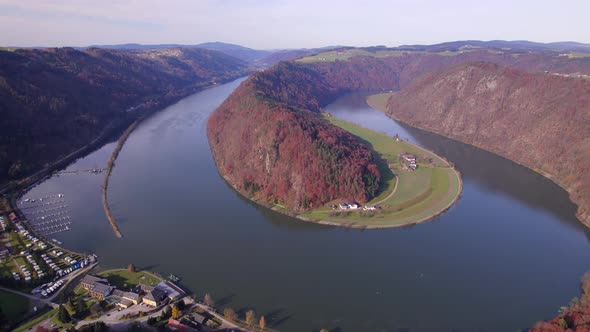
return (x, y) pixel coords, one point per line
(509, 253)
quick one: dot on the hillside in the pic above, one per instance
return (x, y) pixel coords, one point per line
(233, 50)
(270, 143)
(539, 120)
(54, 101)
(545, 84)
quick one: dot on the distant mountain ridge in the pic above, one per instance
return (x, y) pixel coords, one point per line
(237, 51)
(541, 102)
(513, 44)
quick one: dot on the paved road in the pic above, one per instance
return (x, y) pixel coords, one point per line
(116, 324)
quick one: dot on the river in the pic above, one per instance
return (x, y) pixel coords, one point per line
(509, 253)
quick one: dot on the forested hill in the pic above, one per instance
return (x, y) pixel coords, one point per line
(529, 106)
(54, 101)
(540, 120)
(271, 144)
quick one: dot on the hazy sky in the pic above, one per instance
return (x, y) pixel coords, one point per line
(288, 24)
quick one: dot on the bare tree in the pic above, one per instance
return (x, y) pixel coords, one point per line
(208, 300)
(262, 323)
(250, 318)
(230, 314)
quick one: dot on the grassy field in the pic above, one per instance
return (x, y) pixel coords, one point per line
(124, 279)
(36, 321)
(331, 56)
(13, 306)
(342, 55)
(419, 195)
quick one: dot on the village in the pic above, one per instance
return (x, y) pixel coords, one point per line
(50, 288)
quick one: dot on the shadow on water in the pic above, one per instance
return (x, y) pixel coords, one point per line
(225, 300)
(280, 220)
(509, 178)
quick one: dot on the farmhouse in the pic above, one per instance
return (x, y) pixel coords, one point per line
(348, 206)
(408, 161)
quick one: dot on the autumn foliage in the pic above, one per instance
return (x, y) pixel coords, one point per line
(575, 317)
(539, 120)
(56, 100)
(270, 143)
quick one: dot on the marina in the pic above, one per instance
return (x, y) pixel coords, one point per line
(49, 216)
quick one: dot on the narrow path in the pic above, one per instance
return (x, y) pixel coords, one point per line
(109, 169)
(394, 188)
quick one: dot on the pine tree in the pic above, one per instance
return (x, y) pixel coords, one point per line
(63, 315)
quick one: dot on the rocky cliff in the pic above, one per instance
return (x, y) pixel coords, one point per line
(540, 120)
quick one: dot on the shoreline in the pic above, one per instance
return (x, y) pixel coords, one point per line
(578, 214)
(352, 224)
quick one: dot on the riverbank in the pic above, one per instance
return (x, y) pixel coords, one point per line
(379, 102)
(406, 197)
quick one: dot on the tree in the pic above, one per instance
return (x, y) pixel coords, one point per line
(208, 300)
(230, 314)
(250, 317)
(180, 305)
(166, 313)
(63, 315)
(262, 323)
(94, 327)
(81, 310)
(176, 313)
(131, 268)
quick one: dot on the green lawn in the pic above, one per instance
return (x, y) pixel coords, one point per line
(7, 267)
(342, 55)
(124, 279)
(13, 306)
(36, 321)
(419, 194)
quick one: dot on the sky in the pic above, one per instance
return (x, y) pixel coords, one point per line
(273, 24)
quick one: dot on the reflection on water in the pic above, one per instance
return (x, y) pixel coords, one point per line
(488, 264)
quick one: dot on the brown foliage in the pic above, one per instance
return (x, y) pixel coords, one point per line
(270, 143)
(538, 120)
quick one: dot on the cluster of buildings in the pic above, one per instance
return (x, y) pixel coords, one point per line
(194, 322)
(349, 206)
(408, 161)
(36, 267)
(35, 244)
(354, 206)
(50, 288)
(153, 296)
